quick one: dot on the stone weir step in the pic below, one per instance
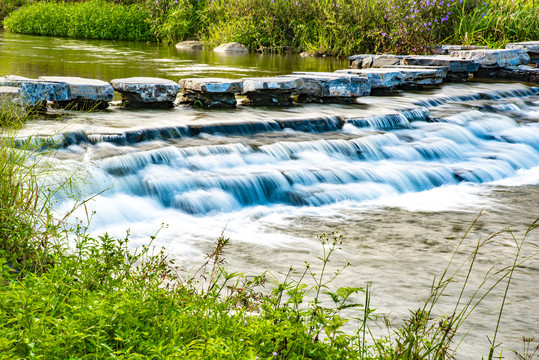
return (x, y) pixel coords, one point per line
(326, 87)
(312, 125)
(146, 92)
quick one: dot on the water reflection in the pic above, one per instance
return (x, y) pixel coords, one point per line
(34, 56)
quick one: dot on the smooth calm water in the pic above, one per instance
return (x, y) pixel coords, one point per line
(401, 188)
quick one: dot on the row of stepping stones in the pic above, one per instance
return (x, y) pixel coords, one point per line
(367, 74)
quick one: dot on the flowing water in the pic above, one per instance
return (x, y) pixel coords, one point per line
(401, 179)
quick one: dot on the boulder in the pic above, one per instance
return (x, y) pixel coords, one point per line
(190, 45)
(498, 58)
(232, 47)
(85, 94)
(270, 91)
(323, 87)
(210, 92)
(146, 92)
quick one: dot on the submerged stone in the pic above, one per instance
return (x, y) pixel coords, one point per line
(271, 91)
(210, 92)
(85, 94)
(489, 59)
(331, 87)
(232, 47)
(190, 45)
(139, 92)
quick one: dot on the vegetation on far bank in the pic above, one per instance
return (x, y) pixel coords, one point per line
(65, 293)
(335, 27)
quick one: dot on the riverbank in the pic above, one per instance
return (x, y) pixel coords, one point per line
(338, 28)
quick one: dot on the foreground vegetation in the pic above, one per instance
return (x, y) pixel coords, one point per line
(66, 293)
(335, 27)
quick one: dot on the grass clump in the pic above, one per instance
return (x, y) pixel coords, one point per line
(95, 19)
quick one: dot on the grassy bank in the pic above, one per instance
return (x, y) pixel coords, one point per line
(335, 27)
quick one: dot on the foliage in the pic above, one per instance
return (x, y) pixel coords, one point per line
(335, 27)
(94, 19)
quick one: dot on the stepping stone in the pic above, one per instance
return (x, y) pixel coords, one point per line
(190, 45)
(520, 73)
(366, 61)
(210, 92)
(458, 69)
(490, 59)
(232, 47)
(84, 94)
(447, 49)
(8, 93)
(384, 79)
(323, 87)
(403, 76)
(270, 91)
(146, 92)
(531, 47)
(36, 93)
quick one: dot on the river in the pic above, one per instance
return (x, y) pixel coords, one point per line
(402, 190)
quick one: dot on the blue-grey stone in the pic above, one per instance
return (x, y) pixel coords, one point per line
(84, 89)
(329, 85)
(489, 59)
(35, 92)
(146, 91)
(212, 85)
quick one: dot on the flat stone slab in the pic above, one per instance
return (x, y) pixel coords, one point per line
(452, 63)
(81, 88)
(447, 49)
(210, 92)
(271, 91)
(380, 78)
(36, 92)
(520, 73)
(146, 91)
(366, 61)
(9, 93)
(531, 47)
(232, 47)
(323, 86)
(212, 85)
(190, 45)
(488, 59)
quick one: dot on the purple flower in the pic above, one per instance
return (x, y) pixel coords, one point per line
(275, 352)
(384, 34)
(297, 3)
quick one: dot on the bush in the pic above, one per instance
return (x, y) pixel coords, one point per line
(94, 19)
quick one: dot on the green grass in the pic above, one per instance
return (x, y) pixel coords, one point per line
(335, 27)
(94, 19)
